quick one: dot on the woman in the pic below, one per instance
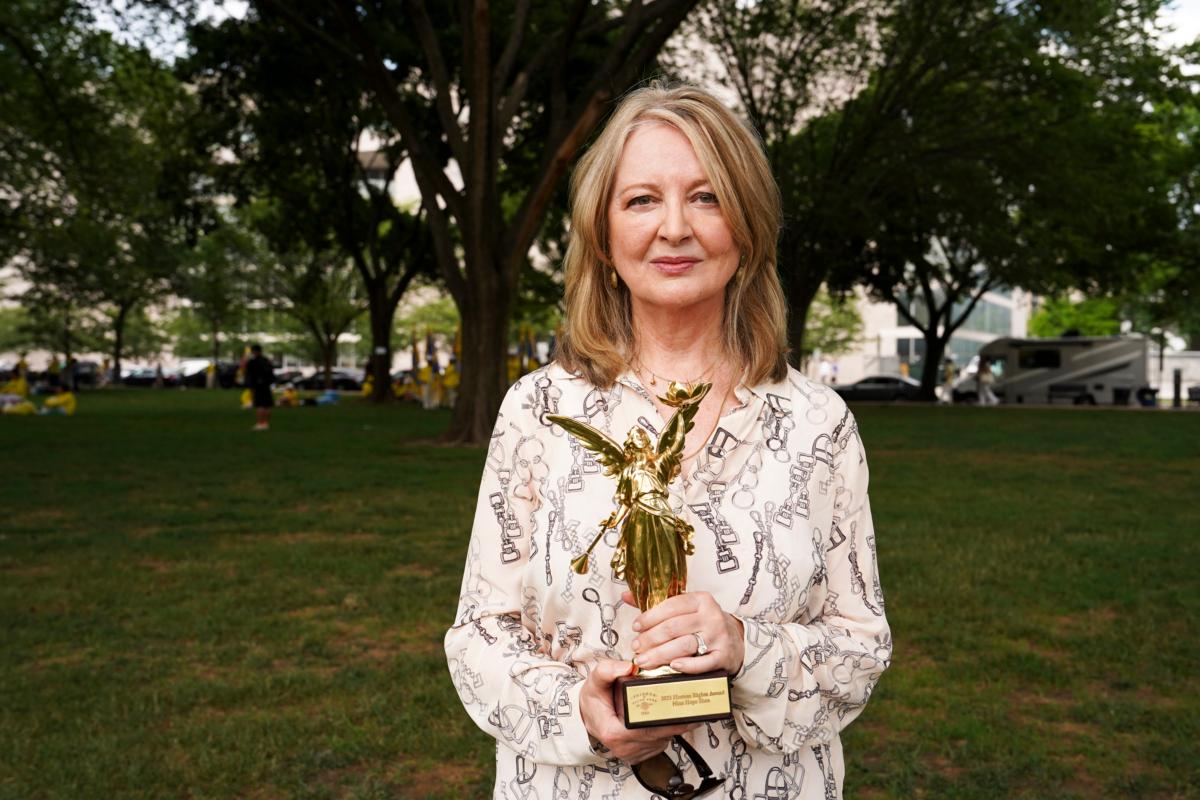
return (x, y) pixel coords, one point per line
(670, 275)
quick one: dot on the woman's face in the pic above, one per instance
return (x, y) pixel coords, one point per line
(668, 238)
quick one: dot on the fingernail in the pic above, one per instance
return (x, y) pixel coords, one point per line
(637, 626)
(637, 644)
(637, 660)
(674, 665)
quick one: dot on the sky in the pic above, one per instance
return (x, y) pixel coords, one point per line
(1184, 16)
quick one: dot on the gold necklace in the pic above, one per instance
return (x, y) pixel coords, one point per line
(711, 430)
(669, 381)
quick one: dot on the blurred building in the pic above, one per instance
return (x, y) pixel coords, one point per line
(890, 344)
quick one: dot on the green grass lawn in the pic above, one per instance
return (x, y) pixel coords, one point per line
(189, 609)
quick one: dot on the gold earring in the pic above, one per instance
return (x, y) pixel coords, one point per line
(612, 278)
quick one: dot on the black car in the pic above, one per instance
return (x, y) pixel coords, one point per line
(146, 376)
(343, 380)
(881, 387)
(198, 379)
(284, 377)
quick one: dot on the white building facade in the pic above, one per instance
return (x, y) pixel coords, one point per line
(890, 345)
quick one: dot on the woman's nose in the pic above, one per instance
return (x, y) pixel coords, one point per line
(675, 225)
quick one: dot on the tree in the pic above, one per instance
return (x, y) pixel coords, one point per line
(497, 91)
(951, 147)
(300, 131)
(834, 326)
(791, 66)
(86, 230)
(1092, 316)
(218, 278)
(1018, 163)
(321, 292)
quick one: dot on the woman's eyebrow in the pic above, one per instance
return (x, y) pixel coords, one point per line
(655, 187)
(632, 186)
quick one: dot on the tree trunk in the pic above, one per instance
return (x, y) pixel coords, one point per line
(931, 364)
(483, 371)
(801, 290)
(118, 341)
(216, 333)
(381, 310)
(328, 354)
(66, 341)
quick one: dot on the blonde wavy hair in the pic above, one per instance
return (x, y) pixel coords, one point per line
(597, 337)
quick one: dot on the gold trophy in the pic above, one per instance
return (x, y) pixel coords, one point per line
(651, 557)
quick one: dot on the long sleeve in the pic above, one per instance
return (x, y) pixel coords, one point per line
(805, 680)
(512, 690)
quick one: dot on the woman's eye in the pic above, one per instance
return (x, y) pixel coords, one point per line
(641, 200)
(707, 198)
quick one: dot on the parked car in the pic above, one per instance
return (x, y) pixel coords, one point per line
(144, 376)
(343, 379)
(881, 387)
(193, 372)
(87, 373)
(288, 376)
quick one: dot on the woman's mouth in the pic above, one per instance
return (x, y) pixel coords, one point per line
(674, 265)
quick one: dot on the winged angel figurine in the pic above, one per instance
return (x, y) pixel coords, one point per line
(650, 555)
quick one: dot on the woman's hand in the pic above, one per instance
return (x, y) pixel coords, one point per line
(632, 746)
(666, 634)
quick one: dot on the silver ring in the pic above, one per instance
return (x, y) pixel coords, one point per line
(701, 647)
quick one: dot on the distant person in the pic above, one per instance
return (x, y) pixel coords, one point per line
(425, 378)
(105, 377)
(451, 381)
(22, 366)
(16, 385)
(241, 370)
(61, 403)
(159, 379)
(984, 379)
(259, 377)
(945, 392)
(71, 375)
(825, 370)
(53, 372)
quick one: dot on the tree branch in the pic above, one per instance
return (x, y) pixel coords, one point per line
(441, 78)
(983, 289)
(430, 177)
(617, 70)
(512, 47)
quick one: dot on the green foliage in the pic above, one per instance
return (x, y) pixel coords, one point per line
(93, 166)
(13, 329)
(219, 278)
(313, 188)
(438, 316)
(1093, 316)
(833, 326)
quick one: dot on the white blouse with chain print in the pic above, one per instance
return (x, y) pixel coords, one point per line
(784, 540)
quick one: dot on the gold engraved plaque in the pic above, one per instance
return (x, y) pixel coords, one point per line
(650, 555)
(671, 699)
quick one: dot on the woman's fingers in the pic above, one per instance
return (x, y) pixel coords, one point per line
(599, 717)
(667, 634)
